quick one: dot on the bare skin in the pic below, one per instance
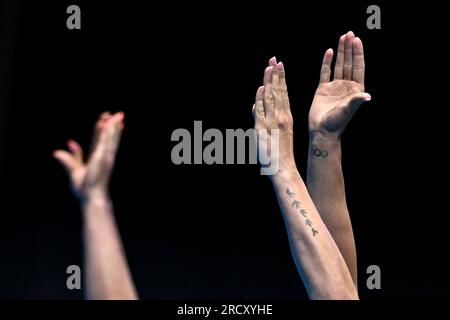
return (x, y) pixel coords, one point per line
(107, 275)
(333, 106)
(317, 257)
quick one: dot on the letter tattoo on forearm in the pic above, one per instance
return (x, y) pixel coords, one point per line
(319, 152)
(303, 212)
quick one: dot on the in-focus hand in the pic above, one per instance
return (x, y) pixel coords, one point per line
(272, 111)
(91, 178)
(335, 102)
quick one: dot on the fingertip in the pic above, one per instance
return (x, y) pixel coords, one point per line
(268, 73)
(105, 114)
(329, 52)
(73, 145)
(280, 66)
(273, 61)
(70, 143)
(275, 68)
(367, 97)
(120, 116)
(260, 91)
(357, 42)
(58, 155)
(350, 34)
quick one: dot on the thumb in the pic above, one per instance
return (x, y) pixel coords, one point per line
(66, 159)
(358, 99)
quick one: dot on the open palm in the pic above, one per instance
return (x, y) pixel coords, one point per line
(335, 102)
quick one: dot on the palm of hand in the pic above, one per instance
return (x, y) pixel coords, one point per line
(336, 101)
(330, 110)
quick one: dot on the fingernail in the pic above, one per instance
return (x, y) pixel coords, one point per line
(120, 115)
(368, 97)
(280, 66)
(273, 61)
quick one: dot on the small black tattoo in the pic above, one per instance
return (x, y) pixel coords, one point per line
(319, 152)
(296, 204)
(290, 193)
(303, 212)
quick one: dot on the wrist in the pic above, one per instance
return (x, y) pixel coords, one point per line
(324, 140)
(321, 136)
(95, 195)
(324, 147)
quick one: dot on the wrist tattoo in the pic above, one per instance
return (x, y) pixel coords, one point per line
(319, 152)
(295, 203)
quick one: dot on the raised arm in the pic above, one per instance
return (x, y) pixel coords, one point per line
(106, 270)
(333, 106)
(319, 262)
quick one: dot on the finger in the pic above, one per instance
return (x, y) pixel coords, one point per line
(269, 107)
(102, 119)
(99, 125)
(276, 90)
(275, 80)
(115, 134)
(272, 61)
(258, 107)
(283, 86)
(66, 159)
(348, 55)
(339, 66)
(76, 150)
(355, 102)
(325, 72)
(358, 61)
(105, 115)
(282, 75)
(102, 144)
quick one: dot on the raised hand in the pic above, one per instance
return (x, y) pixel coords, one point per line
(319, 261)
(335, 102)
(93, 175)
(272, 111)
(107, 275)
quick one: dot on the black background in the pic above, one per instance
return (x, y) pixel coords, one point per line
(200, 232)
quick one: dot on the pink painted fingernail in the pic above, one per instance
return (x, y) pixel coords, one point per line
(273, 61)
(280, 66)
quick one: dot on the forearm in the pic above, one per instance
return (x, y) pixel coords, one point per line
(325, 183)
(107, 273)
(319, 261)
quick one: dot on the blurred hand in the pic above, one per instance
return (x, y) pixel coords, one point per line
(92, 177)
(335, 102)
